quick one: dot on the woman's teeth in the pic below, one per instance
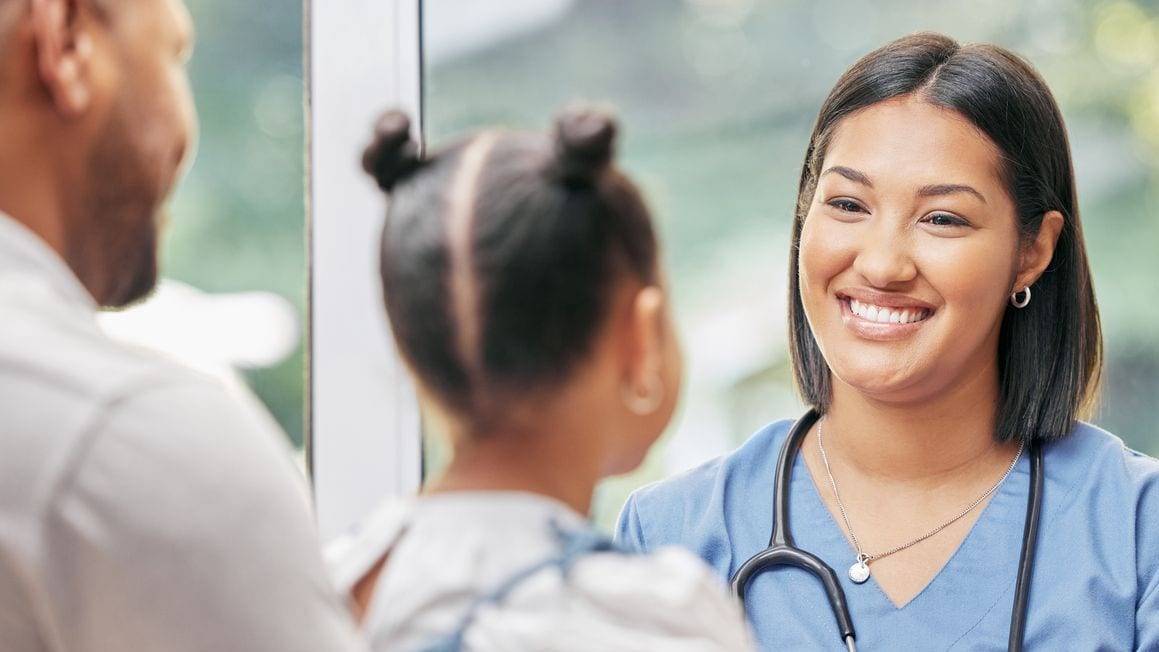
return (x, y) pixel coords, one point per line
(882, 315)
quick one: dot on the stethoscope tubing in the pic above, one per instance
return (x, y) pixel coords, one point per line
(782, 551)
(1026, 558)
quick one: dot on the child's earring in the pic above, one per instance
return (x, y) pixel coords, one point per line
(643, 401)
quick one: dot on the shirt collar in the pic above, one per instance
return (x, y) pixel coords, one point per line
(24, 252)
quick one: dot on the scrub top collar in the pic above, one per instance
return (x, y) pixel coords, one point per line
(988, 555)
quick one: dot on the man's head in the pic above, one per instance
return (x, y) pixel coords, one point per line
(96, 119)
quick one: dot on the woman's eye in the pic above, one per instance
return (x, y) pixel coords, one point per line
(945, 219)
(846, 205)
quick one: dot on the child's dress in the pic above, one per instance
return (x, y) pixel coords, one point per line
(520, 571)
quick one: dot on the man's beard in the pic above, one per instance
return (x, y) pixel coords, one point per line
(113, 245)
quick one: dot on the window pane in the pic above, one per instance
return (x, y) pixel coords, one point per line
(239, 217)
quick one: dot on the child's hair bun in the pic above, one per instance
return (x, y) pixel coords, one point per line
(393, 155)
(585, 138)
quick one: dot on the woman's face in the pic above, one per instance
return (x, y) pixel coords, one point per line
(908, 253)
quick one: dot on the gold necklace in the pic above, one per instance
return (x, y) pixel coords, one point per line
(859, 571)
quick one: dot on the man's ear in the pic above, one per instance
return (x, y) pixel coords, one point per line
(64, 52)
(1037, 254)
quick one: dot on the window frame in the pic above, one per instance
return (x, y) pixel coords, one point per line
(363, 435)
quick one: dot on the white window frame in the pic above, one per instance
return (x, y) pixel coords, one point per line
(363, 438)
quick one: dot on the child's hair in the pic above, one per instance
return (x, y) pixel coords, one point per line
(501, 252)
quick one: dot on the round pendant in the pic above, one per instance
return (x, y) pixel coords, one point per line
(859, 572)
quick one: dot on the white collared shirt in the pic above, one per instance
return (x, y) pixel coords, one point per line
(142, 507)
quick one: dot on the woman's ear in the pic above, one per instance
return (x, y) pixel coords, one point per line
(642, 385)
(1037, 254)
(64, 52)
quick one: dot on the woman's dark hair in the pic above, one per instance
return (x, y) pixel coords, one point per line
(1050, 353)
(500, 254)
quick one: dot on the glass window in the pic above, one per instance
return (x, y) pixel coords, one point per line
(717, 99)
(234, 259)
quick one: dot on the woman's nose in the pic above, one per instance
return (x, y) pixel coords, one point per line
(883, 256)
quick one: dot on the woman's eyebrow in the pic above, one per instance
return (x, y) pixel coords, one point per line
(851, 174)
(934, 190)
(948, 189)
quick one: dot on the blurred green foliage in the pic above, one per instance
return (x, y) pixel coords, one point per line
(239, 216)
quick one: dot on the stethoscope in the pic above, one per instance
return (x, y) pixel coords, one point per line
(783, 552)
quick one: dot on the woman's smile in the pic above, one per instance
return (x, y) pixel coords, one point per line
(884, 317)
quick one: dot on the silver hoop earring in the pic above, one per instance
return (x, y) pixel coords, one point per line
(1023, 302)
(646, 403)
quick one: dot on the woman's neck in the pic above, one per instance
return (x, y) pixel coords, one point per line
(548, 460)
(919, 442)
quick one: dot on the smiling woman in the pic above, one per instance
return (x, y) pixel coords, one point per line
(1020, 171)
(893, 224)
(945, 334)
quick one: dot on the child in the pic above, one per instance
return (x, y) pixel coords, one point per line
(522, 280)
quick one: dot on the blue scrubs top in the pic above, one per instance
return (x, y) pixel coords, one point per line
(1095, 584)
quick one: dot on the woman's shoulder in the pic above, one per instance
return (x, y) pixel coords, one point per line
(1090, 451)
(697, 482)
(674, 510)
(1101, 497)
(1092, 476)
(1092, 473)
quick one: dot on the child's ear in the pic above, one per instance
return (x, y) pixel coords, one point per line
(642, 387)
